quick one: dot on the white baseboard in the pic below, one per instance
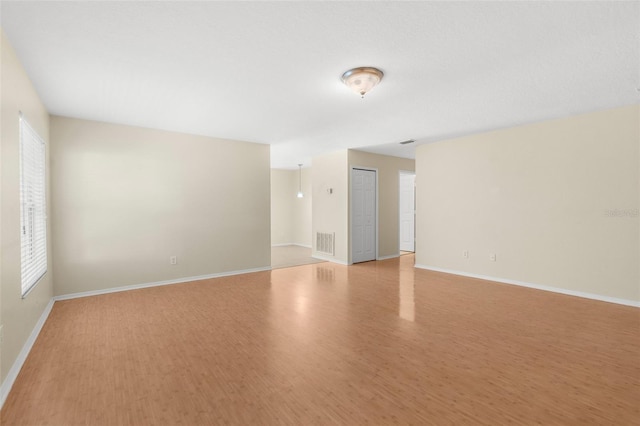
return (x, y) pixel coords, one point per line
(157, 283)
(330, 259)
(291, 244)
(7, 384)
(393, 256)
(536, 286)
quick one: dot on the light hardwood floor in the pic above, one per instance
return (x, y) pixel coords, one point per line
(376, 343)
(291, 255)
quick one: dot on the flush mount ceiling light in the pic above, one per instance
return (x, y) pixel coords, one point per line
(362, 79)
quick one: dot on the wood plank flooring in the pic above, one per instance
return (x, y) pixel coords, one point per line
(291, 255)
(377, 343)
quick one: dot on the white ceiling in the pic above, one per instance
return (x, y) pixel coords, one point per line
(269, 72)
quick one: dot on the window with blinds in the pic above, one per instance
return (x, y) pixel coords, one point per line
(33, 219)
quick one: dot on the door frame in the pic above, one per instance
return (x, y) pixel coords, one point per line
(407, 172)
(371, 169)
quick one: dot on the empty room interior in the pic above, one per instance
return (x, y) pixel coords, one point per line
(319, 213)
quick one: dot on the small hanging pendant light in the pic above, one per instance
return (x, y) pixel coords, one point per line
(300, 194)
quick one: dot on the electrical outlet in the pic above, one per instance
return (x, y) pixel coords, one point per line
(173, 260)
(492, 257)
(465, 254)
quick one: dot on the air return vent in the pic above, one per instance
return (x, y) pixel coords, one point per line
(324, 242)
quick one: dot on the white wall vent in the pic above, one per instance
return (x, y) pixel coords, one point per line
(325, 242)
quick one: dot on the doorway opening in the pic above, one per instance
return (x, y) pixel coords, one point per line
(407, 213)
(291, 217)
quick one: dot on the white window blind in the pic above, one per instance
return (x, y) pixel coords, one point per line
(33, 218)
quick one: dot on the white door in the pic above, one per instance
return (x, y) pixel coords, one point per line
(363, 215)
(407, 211)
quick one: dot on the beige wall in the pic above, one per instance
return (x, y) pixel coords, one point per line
(388, 196)
(125, 199)
(556, 201)
(330, 211)
(18, 316)
(282, 196)
(290, 215)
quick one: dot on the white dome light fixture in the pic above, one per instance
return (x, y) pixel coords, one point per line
(362, 79)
